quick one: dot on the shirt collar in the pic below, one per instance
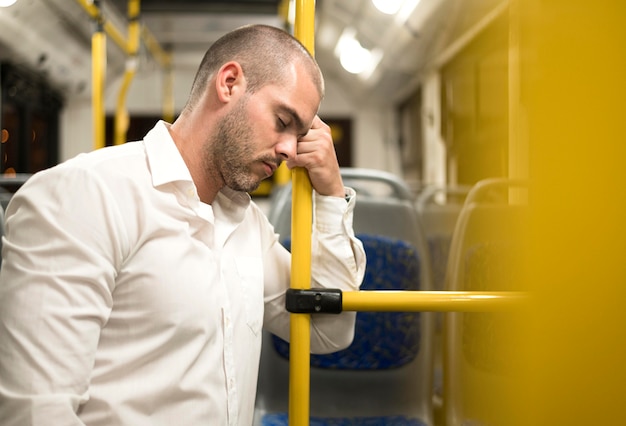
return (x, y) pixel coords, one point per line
(168, 166)
(166, 163)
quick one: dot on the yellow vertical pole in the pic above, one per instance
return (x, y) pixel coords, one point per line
(302, 213)
(132, 47)
(168, 92)
(165, 60)
(282, 175)
(98, 71)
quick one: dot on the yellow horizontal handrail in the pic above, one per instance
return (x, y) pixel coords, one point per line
(121, 115)
(163, 57)
(160, 55)
(437, 301)
(94, 12)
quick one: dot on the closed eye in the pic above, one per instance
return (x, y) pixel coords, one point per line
(281, 124)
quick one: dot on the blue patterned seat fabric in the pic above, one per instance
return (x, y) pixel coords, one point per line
(281, 419)
(382, 339)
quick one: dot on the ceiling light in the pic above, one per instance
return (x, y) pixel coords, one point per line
(406, 11)
(374, 59)
(388, 7)
(7, 3)
(353, 57)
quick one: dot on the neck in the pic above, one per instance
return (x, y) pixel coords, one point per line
(190, 143)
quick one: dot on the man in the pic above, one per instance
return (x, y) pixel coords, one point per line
(136, 279)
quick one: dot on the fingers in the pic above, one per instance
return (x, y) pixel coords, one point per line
(314, 148)
(318, 131)
(318, 123)
(316, 153)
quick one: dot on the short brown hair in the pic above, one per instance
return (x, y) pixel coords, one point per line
(262, 51)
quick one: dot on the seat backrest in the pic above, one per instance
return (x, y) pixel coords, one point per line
(379, 195)
(496, 190)
(393, 215)
(389, 217)
(487, 254)
(485, 226)
(9, 184)
(438, 208)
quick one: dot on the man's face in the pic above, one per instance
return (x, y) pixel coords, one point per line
(262, 130)
(234, 151)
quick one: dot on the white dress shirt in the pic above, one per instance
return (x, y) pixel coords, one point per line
(125, 300)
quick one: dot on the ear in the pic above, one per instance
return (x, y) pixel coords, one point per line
(230, 81)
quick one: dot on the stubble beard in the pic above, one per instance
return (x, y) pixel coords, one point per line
(230, 152)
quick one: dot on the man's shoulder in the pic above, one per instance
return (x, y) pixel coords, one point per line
(116, 168)
(109, 157)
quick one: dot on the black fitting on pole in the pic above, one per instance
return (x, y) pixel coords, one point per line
(99, 18)
(314, 301)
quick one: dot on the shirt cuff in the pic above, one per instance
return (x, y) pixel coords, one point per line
(332, 214)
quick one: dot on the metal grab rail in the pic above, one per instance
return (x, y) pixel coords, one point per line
(334, 301)
(431, 301)
(304, 302)
(121, 115)
(302, 219)
(130, 46)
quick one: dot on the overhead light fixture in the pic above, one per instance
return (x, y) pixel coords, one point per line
(353, 57)
(406, 10)
(401, 8)
(7, 3)
(388, 7)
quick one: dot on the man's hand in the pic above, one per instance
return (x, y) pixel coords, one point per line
(316, 153)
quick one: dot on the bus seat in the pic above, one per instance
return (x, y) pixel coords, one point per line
(384, 364)
(438, 208)
(384, 339)
(497, 190)
(9, 184)
(386, 219)
(385, 206)
(487, 254)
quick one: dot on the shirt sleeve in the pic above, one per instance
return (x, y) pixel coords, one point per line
(337, 261)
(56, 286)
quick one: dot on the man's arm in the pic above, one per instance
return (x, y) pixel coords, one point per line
(55, 294)
(338, 258)
(337, 261)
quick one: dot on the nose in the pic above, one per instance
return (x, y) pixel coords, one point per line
(287, 147)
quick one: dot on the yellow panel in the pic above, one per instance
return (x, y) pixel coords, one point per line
(573, 64)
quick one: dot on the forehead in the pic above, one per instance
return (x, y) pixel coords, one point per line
(294, 92)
